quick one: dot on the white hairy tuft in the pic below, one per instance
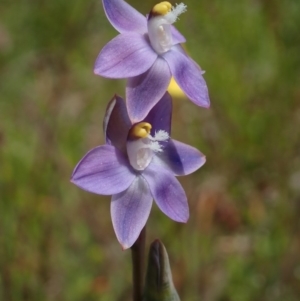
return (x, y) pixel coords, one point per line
(172, 16)
(155, 146)
(161, 135)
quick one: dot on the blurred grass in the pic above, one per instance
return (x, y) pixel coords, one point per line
(242, 240)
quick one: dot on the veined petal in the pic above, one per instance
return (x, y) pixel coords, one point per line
(130, 210)
(116, 123)
(126, 55)
(188, 76)
(167, 193)
(180, 158)
(145, 90)
(160, 115)
(123, 17)
(177, 36)
(103, 170)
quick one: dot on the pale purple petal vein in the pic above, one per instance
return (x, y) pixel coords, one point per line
(126, 55)
(103, 170)
(130, 210)
(167, 193)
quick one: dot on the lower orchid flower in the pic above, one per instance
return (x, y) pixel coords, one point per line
(138, 163)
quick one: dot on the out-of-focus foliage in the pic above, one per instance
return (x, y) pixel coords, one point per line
(242, 241)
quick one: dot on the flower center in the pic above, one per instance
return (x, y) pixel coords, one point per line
(159, 23)
(141, 146)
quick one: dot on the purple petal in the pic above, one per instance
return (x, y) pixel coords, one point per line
(125, 56)
(145, 90)
(180, 158)
(177, 36)
(103, 170)
(116, 123)
(130, 211)
(123, 17)
(160, 115)
(167, 193)
(188, 76)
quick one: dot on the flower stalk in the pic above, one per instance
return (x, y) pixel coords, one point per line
(138, 265)
(139, 161)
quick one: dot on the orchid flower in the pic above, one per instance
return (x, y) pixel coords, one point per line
(138, 163)
(147, 52)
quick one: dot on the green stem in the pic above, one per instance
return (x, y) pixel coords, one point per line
(138, 265)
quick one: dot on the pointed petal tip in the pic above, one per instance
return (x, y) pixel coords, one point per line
(207, 105)
(179, 219)
(200, 103)
(203, 101)
(72, 179)
(202, 162)
(183, 220)
(124, 246)
(123, 17)
(134, 120)
(97, 70)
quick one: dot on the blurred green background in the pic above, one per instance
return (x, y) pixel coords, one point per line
(242, 241)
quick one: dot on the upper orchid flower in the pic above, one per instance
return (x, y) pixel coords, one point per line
(138, 163)
(148, 53)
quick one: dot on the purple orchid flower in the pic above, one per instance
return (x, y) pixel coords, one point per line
(138, 163)
(148, 53)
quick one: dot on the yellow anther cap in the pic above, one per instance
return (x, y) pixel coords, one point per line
(140, 130)
(161, 8)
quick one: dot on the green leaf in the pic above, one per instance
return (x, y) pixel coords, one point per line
(159, 283)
